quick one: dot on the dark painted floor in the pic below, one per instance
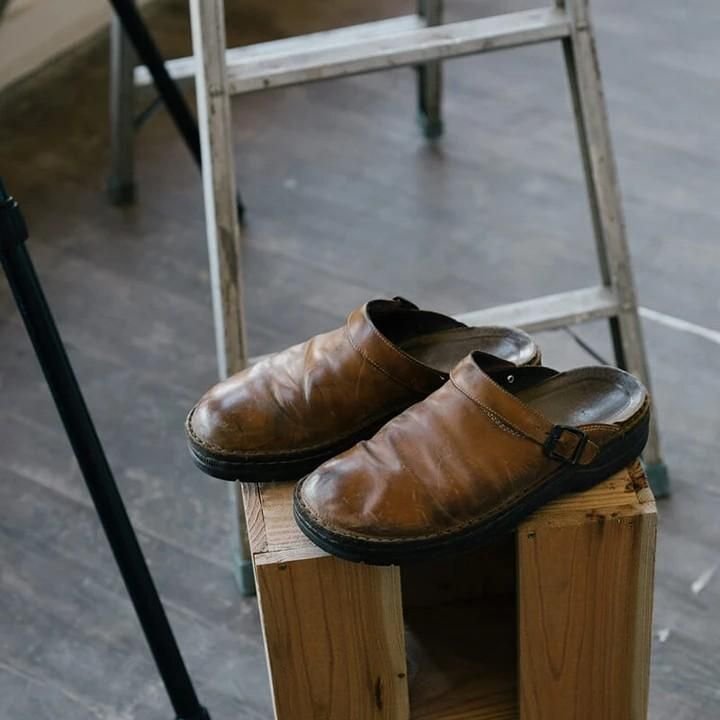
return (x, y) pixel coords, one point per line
(346, 202)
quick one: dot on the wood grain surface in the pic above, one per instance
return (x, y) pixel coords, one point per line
(335, 643)
(568, 603)
(585, 611)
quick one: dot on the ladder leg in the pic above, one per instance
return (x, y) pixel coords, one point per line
(121, 180)
(429, 78)
(606, 211)
(221, 220)
(241, 553)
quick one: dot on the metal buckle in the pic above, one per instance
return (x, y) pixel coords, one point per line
(554, 437)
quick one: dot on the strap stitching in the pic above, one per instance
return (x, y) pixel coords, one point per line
(499, 420)
(421, 393)
(395, 349)
(533, 413)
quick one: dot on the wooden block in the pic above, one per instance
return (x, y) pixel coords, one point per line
(335, 639)
(554, 623)
(585, 581)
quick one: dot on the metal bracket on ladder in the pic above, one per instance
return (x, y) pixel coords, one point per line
(389, 44)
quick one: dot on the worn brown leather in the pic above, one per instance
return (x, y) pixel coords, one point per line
(323, 395)
(469, 453)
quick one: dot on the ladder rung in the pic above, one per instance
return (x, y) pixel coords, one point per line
(410, 47)
(543, 313)
(550, 311)
(184, 68)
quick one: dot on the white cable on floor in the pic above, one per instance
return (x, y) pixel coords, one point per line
(682, 325)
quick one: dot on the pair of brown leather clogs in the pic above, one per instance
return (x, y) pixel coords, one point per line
(414, 433)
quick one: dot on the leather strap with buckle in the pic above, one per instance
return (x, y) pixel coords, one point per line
(550, 447)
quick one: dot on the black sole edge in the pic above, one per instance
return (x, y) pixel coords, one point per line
(620, 453)
(271, 471)
(276, 469)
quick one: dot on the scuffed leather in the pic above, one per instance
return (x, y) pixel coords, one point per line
(462, 455)
(314, 394)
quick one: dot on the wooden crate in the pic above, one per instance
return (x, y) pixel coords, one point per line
(550, 624)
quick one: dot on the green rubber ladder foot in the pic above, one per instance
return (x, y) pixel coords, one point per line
(659, 479)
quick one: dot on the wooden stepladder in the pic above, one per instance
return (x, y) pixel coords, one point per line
(372, 47)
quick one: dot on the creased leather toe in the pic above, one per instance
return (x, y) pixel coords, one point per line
(284, 416)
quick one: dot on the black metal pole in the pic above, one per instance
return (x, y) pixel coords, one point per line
(91, 458)
(148, 52)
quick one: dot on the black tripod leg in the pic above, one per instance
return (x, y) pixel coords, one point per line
(147, 51)
(91, 458)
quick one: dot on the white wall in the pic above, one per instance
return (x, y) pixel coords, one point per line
(32, 32)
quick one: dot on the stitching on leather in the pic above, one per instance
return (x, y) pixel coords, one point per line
(380, 369)
(497, 419)
(487, 410)
(203, 443)
(397, 350)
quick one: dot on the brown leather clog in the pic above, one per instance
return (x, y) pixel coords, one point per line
(472, 460)
(284, 416)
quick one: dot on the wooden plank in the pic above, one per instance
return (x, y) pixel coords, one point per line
(183, 69)
(405, 48)
(335, 639)
(255, 521)
(585, 611)
(542, 313)
(219, 187)
(281, 530)
(221, 222)
(550, 311)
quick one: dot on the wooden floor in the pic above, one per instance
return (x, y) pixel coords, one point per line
(345, 202)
